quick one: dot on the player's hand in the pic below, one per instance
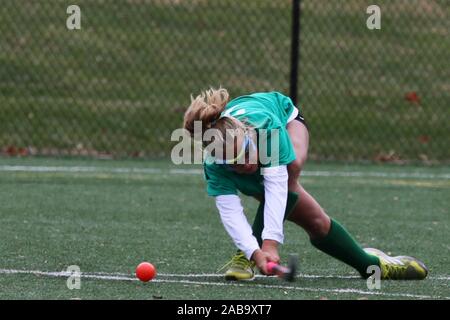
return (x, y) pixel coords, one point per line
(261, 258)
(270, 247)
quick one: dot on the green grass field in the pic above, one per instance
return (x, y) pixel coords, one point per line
(108, 216)
(121, 83)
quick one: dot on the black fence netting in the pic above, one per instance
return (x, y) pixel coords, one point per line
(119, 85)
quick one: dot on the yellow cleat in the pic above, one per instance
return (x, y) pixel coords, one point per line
(399, 267)
(239, 268)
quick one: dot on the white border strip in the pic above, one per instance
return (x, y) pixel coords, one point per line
(97, 169)
(122, 277)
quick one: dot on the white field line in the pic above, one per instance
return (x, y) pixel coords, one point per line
(301, 275)
(97, 169)
(336, 290)
(220, 275)
(120, 277)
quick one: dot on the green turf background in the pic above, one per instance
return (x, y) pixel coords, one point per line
(110, 222)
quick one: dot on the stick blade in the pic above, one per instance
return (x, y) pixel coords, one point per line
(292, 266)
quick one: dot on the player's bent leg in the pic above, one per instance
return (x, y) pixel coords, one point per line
(309, 215)
(312, 218)
(333, 239)
(298, 133)
(329, 236)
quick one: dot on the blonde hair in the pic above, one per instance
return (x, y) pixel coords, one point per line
(207, 108)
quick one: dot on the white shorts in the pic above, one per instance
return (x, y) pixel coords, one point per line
(293, 115)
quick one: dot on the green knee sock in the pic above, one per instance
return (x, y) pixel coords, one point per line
(258, 223)
(339, 244)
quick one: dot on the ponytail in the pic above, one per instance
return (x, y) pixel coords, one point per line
(206, 107)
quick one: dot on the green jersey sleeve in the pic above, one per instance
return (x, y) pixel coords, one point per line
(218, 182)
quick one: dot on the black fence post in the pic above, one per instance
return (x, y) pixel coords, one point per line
(295, 50)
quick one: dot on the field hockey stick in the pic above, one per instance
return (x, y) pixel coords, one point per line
(286, 273)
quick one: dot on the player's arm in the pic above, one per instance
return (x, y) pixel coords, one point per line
(231, 211)
(236, 224)
(275, 196)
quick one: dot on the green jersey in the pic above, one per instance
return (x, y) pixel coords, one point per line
(265, 110)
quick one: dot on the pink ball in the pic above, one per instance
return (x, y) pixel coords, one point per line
(145, 271)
